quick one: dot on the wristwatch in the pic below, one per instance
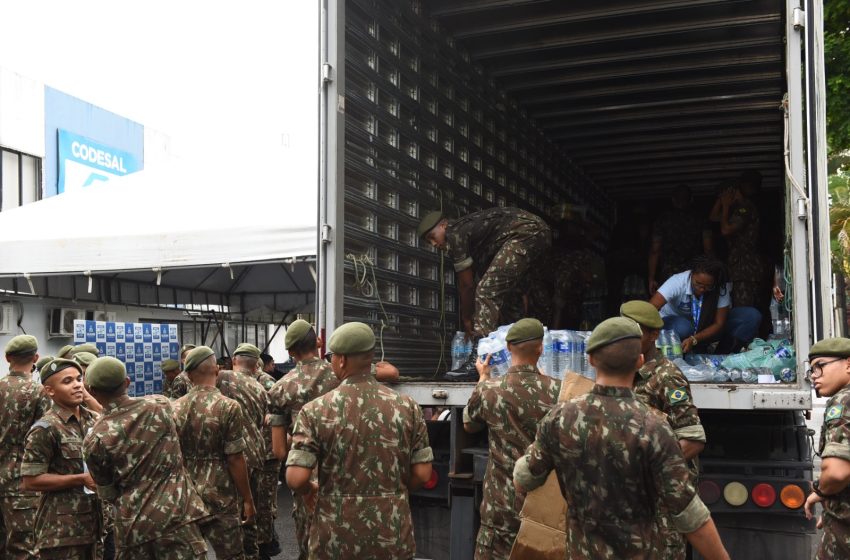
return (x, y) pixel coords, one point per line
(694, 340)
(816, 489)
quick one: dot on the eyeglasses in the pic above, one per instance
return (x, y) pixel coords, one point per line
(704, 287)
(328, 356)
(816, 370)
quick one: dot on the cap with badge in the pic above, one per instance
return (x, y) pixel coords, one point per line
(87, 347)
(296, 331)
(246, 349)
(84, 358)
(428, 223)
(832, 347)
(612, 330)
(106, 374)
(55, 366)
(170, 365)
(43, 361)
(196, 356)
(352, 338)
(22, 344)
(642, 312)
(524, 330)
(63, 352)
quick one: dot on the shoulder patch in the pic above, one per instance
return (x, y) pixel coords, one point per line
(834, 412)
(676, 396)
(41, 424)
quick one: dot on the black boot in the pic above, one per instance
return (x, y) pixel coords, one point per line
(466, 371)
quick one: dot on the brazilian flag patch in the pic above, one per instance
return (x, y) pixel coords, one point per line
(676, 396)
(835, 411)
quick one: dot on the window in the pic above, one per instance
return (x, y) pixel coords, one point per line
(20, 179)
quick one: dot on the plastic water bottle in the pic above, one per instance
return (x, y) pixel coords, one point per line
(580, 352)
(735, 375)
(544, 364)
(788, 375)
(720, 375)
(663, 344)
(460, 350)
(750, 375)
(499, 359)
(675, 345)
(560, 353)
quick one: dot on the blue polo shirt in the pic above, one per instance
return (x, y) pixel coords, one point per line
(679, 295)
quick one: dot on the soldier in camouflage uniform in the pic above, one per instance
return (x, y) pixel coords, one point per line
(170, 371)
(212, 428)
(133, 454)
(829, 371)
(181, 384)
(615, 459)
(22, 402)
(499, 245)
(311, 378)
(68, 523)
(510, 407)
(371, 448)
(661, 385)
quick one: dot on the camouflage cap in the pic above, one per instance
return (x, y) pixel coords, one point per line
(63, 352)
(84, 358)
(186, 347)
(524, 330)
(643, 313)
(196, 356)
(170, 365)
(106, 374)
(352, 338)
(246, 349)
(22, 344)
(835, 347)
(428, 223)
(42, 361)
(55, 366)
(612, 330)
(87, 347)
(296, 331)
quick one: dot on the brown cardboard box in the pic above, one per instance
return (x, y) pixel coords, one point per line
(543, 532)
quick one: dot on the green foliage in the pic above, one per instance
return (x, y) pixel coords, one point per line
(839, 220)
(836, 27)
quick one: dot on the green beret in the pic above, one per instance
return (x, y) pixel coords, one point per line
(106, 374)
(186, 348)
(22, 344)
(196, 356)
(352, 338)
(642, 312)
(89, 347)
(296, 331)
(83, 358)
(524, 330)
(835, 347)
(42, 361)
(57, 365)
(612, 330)
(63, 352)
(170, 365)
(246, 349)
(428, 223)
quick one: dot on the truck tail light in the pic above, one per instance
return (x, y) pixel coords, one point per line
(709, 492)
(792, 496)
(735, 494)
(432, 482)
(764, 495)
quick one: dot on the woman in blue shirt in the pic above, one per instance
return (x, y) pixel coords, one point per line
(697, 304)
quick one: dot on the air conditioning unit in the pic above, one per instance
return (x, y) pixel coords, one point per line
(108, 316)
(7, 312)
(62, 321)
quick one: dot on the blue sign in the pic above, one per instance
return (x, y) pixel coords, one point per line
(83, 162)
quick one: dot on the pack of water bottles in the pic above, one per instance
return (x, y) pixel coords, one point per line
(772, 361)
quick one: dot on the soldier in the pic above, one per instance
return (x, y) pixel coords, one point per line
(181, 384)
(22, 402)
(371, 448)
(68, 523)
(63, 352)
(499, 245)
(211, 428)
(86, 347)
(170, 371)
(510, 407)
(133, 454)
(311, 378)
(661, 385)
(84, 359)
(43, 361)
(615, 459)
(829, 370)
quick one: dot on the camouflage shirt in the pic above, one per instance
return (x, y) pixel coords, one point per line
(253, 398)
(309, 380)
(364, 437)
(22, 402)
(211, 427)
(661, 385)
(511, 406)
(681, 235)
(835, 442)
(133, 454)
(475, 238)
(614, 458)
(179, 387)
(55, 445)
(744, 254)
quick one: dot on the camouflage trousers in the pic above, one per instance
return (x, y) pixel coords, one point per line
(249, 530)
(504, 282)
(836, 539)
(224, 532)
(266, 500)
(746, 294)
(493, 544)
(17, 519)
(80, 552)
(183, 543)
(301, 516)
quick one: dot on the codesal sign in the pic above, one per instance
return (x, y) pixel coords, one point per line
(84, 162)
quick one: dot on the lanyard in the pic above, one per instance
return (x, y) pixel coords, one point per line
(696, 310)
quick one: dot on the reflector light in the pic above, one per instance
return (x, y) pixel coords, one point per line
(432, 482)
(792, 496)
(735, 494)
(709, 492)
(764, 495)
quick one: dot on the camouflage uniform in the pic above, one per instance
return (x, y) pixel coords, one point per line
(511, 406)
(22, 402)
(835, 442)
(267, 476)
(661, 385)
(179, 387)
(681, 235)
(309, 380)
(133, 453)
(745, 263)
(615, 458)
(211, 427)
(69, 522)
(501, 244)
(364, 438)
(254, 401)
